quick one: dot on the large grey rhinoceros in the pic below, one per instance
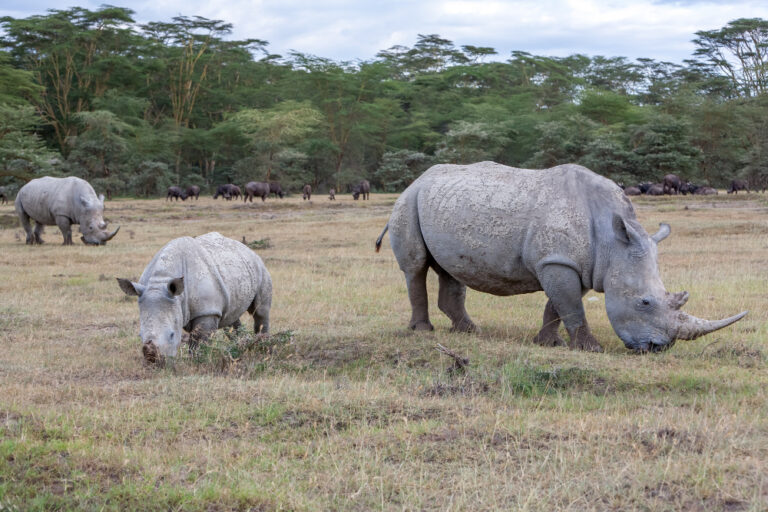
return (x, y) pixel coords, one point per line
(62, 202)
(198, 284)
(563, 230)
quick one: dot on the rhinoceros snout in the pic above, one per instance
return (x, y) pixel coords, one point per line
(150, 352)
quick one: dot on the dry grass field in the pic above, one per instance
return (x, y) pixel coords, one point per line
(345, 409)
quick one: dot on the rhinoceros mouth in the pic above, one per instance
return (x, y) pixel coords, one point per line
(90, 242)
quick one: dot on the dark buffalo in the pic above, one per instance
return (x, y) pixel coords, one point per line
(363, 188)
(306, 192)
(193, 191)
(671, 184)
(737, 185)
(657, 189)
(332, 194)
(644, 187)
(276, 188)
(228, 191)
(632, 191)
(256, 189)
(4, 195)
(688, 188)
(176, 192)
(705, 191)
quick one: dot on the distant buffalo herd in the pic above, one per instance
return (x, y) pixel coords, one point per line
(673, 185)
(261, 189)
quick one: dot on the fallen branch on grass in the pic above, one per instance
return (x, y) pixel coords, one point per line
(459, 363)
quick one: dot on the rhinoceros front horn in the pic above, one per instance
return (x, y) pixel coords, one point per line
(112, 235)
(691, 327)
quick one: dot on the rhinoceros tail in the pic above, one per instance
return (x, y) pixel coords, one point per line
(381, 237)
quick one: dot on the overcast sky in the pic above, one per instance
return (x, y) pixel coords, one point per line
(351, 30)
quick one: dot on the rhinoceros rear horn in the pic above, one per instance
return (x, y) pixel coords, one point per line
(112, 235)
(691, 327)
(662, 233)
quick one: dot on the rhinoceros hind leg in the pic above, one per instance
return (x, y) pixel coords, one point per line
(260, 313)
(417, 293)
(201, 329)
(563, 287)
(38, 231)
(451, 297)
(66, 228)
(25, 223)
(548, 336)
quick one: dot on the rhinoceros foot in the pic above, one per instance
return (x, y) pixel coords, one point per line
(464, 325)
(582, 339)
(422, 326)
(545, 338)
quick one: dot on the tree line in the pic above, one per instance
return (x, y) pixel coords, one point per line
(135, 108)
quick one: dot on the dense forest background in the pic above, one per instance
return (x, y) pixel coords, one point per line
(135, 108)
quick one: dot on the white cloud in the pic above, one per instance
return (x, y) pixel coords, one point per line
(349, 30)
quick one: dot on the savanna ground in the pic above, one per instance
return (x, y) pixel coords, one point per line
(344, 409)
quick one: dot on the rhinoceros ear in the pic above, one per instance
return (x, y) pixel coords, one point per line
(84, 201)
(130, 288)
(623, 231)
(176, 286)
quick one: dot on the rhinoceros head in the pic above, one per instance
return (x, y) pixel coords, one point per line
(642, 312)
(92, 224)
(160, 315)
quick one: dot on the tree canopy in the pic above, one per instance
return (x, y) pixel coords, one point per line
(137, 107)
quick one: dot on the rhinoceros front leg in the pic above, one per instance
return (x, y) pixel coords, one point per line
(563, 287)
(65, 225)
(201, 329)
(548, 335)
(451, 298)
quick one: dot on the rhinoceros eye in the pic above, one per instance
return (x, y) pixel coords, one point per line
(646, 302)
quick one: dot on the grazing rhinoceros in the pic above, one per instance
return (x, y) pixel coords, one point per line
(509, 231)
(255, 189)
(63, 202)
(199, 285)
(363, 188)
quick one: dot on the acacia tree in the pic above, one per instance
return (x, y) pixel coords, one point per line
(75, 55)
(740, 51)
(274, 129)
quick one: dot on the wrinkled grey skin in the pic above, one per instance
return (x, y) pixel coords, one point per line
(510, 231)
(363, 188)
(198, 285)
(255, 189)
(62, 202)
(332, 194)
(306, 192)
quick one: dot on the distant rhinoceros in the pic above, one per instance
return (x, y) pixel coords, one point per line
(509, 231)
(62, 202)
(199, 285)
